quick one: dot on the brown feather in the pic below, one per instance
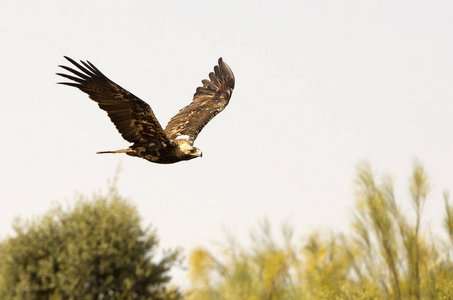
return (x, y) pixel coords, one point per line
(208, 101)
(133, 117)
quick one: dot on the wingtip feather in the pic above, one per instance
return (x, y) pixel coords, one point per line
(70, 84)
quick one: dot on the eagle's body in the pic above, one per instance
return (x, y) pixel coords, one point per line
(135, 119)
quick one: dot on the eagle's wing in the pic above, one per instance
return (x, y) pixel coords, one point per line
(133, 117)
(208, 101)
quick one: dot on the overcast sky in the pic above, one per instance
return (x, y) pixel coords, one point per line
(320, 86)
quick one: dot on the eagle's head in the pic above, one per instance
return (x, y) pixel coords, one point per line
(186, 151)
(195, 152)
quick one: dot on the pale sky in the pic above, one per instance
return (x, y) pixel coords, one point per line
(320, 86)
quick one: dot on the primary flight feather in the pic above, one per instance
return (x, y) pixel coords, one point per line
(136, 121)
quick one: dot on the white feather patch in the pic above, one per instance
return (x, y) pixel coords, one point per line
(183, 137)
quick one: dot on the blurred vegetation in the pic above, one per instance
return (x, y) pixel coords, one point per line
(387, 255)
(95, 250)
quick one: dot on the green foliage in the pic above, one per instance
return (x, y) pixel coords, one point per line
(94, 250)
(388, 255)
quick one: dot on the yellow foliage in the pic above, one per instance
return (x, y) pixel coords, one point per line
(200, 263)
(273, 267)
(388, 256)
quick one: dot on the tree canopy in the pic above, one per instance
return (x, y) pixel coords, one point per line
(96, 249)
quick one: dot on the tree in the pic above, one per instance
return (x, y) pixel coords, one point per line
(94, 250)
(388, 255)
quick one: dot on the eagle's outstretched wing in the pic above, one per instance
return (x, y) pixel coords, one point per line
(133, 117)
(208, 101)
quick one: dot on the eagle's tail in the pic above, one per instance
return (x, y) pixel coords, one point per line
(127, 151)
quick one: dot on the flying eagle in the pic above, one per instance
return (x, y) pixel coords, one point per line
(136, 121)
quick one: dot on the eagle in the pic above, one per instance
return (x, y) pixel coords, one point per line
(136, 121)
